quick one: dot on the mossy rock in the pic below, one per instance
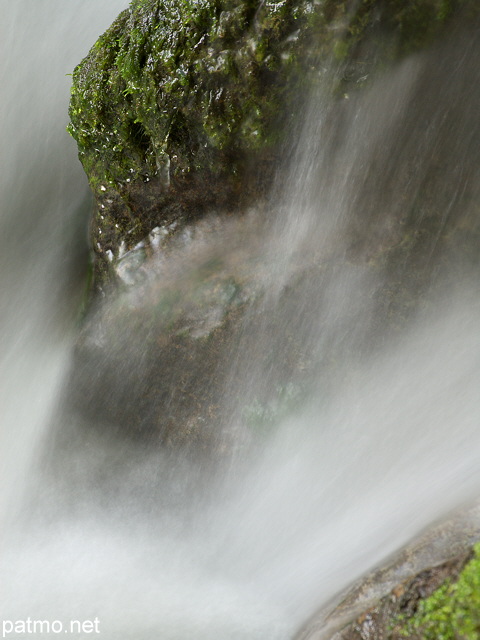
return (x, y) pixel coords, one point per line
(182, 107)
(439, 603)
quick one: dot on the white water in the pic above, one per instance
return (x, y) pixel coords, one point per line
(342, 485)
(42, 189)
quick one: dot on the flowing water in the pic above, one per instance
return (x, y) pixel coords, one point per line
(379, 438)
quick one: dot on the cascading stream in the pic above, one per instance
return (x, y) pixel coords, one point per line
(368, 269)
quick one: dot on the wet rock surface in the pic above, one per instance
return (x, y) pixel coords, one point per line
(156, 360)
(369, 610)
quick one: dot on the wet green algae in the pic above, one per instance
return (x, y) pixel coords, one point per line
(183, 106)
(452, 611)
(175, 105)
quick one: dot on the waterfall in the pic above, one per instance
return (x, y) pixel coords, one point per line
(366, 264)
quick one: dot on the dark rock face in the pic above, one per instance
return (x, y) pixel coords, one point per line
(155, 362)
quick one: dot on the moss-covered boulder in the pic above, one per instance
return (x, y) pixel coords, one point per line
(176, 110)
(182, 106)
(441, 602)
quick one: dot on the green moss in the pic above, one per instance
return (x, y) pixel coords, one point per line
(188, 81)
(196, 81)
(419, 22)
(451, 612)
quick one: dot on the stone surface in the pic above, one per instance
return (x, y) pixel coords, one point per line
(367, 610)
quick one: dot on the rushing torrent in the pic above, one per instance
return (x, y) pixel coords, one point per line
(381, 440)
